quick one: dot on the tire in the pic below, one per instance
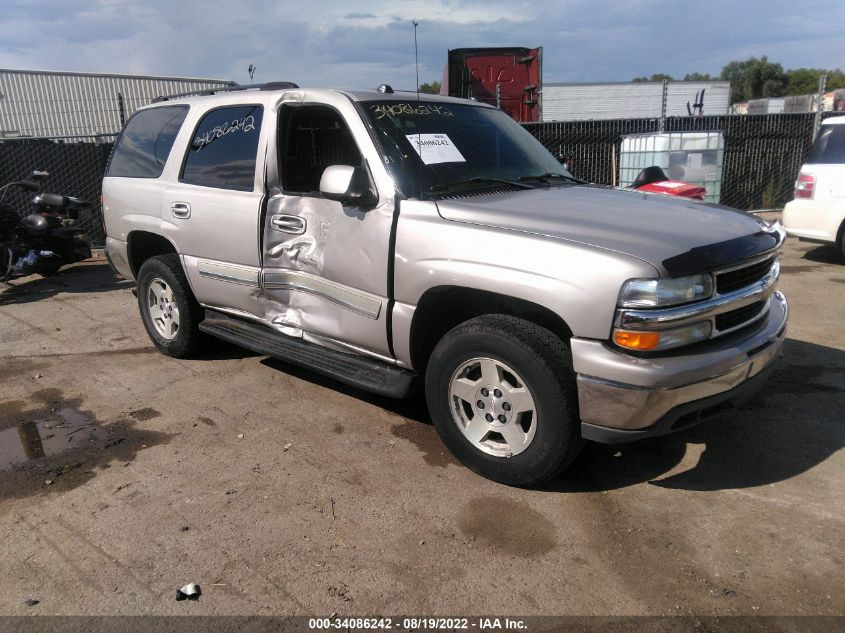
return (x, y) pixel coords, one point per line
(517, 447)
(842, 244)
(173, 301)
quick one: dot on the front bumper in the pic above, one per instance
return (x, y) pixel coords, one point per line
(624, 398)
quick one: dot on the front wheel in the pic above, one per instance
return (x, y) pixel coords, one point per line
(501, 392)
(170, 313)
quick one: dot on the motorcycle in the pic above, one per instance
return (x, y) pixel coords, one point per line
(45, 239)
(654, 180)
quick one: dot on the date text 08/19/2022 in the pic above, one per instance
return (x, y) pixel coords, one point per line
(416, 623)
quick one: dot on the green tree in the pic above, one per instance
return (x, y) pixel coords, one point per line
(654, 77)
(698, 77)
(432, 88)
(754, 78)
(802, 81)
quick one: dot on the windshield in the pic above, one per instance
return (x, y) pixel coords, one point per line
(432, 147)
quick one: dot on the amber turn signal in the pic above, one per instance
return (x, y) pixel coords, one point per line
(642, 341)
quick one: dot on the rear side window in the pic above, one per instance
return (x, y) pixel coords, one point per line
(146, 141)
(829, 148)
(223, 151)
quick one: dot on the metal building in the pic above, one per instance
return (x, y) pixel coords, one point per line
(35, 103)
(634, 100)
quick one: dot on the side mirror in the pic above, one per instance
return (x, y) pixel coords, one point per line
(347, 185)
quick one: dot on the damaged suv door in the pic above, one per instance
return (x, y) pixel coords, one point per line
(322, 248)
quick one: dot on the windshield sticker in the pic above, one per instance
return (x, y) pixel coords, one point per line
(435, 148)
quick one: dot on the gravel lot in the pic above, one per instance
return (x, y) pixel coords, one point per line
(125, 475)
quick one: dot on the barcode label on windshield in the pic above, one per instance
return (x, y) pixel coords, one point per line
(435, 148)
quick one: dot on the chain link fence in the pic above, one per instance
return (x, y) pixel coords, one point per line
(762, 153)
(762, 156)
(76, 166)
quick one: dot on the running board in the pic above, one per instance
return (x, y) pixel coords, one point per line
(358, 371)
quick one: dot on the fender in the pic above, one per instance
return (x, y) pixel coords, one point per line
(577, 282)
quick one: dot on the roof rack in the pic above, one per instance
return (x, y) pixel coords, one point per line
(272, 85)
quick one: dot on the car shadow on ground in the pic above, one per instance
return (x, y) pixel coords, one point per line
(791, 426)
(86, 277)
(826, 254)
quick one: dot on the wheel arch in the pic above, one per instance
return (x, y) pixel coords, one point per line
(142, 245)
(441, 308)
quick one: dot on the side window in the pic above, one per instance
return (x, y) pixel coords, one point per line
(311, 139)
(829, 147)
(223, 151)
(146, 141)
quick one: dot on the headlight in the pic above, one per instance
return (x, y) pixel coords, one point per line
(659, 293)
(657, 340)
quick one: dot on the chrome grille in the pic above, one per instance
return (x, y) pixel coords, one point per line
(737, 278)
(740, 317)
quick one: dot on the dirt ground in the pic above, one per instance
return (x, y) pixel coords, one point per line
(125, 475)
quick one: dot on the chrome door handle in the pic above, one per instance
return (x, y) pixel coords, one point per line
(180, 210)
(288, 224)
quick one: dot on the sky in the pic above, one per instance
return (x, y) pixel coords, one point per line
(363, 44)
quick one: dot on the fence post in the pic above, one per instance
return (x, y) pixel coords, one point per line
(665, 97)
(121, 110)
(820, 106)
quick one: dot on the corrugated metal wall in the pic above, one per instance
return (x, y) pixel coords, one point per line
(39, 103)
(716, 101)
(581, 102)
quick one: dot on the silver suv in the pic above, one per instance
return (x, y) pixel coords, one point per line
(391, 241)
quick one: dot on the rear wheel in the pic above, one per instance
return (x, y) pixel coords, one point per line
(170, 313)
(501, 392)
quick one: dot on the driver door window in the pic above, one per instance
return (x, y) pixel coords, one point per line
(311, 139)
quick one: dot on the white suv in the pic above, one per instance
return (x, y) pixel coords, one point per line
(817, 214)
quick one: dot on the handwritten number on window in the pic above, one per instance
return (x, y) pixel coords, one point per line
(245, 125)
(406, 109)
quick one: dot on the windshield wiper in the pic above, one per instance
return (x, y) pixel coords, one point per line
(551, 175)
(458, 184)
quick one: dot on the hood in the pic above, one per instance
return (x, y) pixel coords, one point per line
(677, 236)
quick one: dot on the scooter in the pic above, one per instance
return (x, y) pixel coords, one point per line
(45, 239)
(654, 180)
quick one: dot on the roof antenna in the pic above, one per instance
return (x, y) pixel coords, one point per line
(419, 139)
(416, 57)
(251, 71)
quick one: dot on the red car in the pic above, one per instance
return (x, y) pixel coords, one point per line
(654, 180)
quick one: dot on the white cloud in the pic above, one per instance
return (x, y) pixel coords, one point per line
(337, 42)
